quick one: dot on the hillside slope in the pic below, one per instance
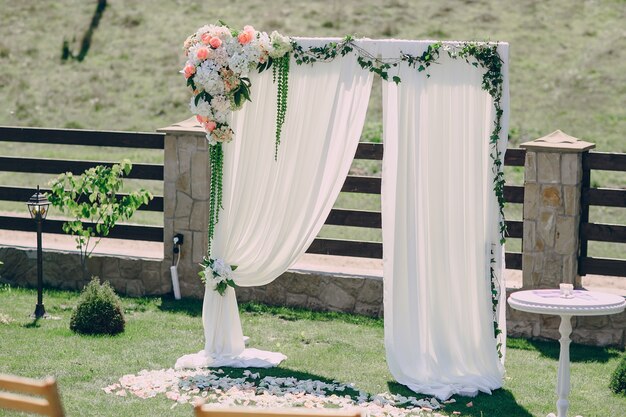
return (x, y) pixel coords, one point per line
(568, 66)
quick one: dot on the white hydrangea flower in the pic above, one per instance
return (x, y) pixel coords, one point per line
(223, 61)
(220, 56)
(202, 109)
(280, 45)
(211, 141)
(221, 108)
(222, 269)
(209, 78)
(239, 63)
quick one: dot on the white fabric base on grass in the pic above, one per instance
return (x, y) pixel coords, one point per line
(249, 358)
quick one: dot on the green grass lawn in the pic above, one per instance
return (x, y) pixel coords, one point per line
(324, 346)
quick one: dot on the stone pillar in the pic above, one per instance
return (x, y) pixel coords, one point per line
(186, 201)
(552, 190)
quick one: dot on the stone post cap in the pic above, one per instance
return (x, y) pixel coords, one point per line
(188, 127)
(558, 141)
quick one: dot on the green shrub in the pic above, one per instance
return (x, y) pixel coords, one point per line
(618, 379)
(99, 311)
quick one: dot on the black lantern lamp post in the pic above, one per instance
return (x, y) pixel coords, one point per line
(38, 209)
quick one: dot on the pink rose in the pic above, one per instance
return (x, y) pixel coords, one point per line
(210, 125)
(206, 38)
(215, 43)
(203, 53)
(189, 70)
(201, 119)
(244, 38)
(249, 29)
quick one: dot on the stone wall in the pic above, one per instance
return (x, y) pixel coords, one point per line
(186, 201)
(307, 289)
(320, 291)
(134, 277)
(552, 209)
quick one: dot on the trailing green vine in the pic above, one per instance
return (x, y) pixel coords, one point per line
(281, 76)
(216, 159)
(332, 50)
(487, 57)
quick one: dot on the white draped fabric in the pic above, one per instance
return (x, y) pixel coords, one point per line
(273, 209)
(440, 225)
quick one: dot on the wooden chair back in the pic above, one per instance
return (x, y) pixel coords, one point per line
(30, 395)
(206, 411)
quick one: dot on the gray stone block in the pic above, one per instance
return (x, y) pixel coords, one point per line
(548, 167)
(551, 196)
(530, 167)
(571, 168)
(546, 226)
(532, 200)
(296, 300)
(135, 288)
(598, 337)
(184, 204)
(566, 237)
(593, 322)
(199, 220)
(336, 298)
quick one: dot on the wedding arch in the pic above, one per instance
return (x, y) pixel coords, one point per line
(278, 163)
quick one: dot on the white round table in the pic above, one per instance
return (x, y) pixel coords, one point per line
(580, 303)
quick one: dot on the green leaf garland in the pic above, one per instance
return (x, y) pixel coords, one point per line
(216, 160)
(281, 76)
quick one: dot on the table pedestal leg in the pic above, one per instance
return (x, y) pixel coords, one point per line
(563, 382)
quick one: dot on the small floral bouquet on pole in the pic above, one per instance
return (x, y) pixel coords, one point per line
(219, 272)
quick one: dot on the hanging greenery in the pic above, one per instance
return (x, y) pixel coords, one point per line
(216, 161)
(281, 76)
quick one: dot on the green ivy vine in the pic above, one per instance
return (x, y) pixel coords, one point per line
(216, 160)
(281, 75)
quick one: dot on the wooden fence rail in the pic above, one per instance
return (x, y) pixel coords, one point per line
(372, 219)
(601, 232)
(57, 166)
(338, 217)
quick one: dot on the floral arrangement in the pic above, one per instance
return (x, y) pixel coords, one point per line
(218, 272)
(219, 60)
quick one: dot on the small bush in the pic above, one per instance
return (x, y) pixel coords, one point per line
(618, 379)
(99, 311)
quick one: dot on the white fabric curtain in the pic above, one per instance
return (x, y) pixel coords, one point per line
(273, 209)
(440, 224)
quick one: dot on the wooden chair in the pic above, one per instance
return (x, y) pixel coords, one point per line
(43, 395)
(206, 411)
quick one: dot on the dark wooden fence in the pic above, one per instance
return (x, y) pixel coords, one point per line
(58, 166)
(338, 217)
(372, 219)
(605, 197)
